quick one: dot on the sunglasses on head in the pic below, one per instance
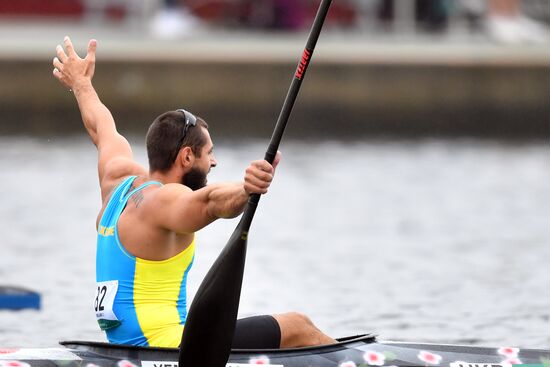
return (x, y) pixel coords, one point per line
(190, 120)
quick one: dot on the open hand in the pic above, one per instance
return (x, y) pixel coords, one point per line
(69, 68)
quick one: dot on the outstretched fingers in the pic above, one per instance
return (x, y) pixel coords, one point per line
(59, 60)
(69, 46)
(57, 64)
(57, 73)
(61, 77)
(92, 46)
(57, 69)
(69, 68)
(61, 55)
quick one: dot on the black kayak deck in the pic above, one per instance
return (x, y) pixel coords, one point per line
(361, 350)
(358, 351)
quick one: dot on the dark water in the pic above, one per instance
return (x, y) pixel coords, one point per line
(428, 240)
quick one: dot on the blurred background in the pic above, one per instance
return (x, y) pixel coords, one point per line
(413, 197)
(404, 67)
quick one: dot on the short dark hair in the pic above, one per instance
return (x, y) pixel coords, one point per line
(165, 135)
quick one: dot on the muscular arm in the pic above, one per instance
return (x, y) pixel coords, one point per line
(182, 210)
(115, 159)
(97, 119)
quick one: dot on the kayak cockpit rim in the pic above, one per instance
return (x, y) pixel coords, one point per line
(109, 348)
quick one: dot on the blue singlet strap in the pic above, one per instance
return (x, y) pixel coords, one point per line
(140, 187)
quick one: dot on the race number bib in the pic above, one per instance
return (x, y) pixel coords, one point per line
(103, 304)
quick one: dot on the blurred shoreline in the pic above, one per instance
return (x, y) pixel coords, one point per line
(358, 84)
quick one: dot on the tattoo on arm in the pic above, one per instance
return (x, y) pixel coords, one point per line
(137, 198)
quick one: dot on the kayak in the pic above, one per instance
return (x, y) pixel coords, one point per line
(362, 350)
(17, 298)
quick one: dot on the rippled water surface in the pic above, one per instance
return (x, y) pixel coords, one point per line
(442, 241)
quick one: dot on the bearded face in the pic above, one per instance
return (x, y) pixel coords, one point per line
(203, 161)
(195, 179)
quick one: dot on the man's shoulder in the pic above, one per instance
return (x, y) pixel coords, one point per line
(120, 167)
(117, 171)
(173, 191)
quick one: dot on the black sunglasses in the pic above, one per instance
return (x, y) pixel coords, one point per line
(190, 120)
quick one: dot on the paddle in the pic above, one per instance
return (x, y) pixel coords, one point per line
(209, 329)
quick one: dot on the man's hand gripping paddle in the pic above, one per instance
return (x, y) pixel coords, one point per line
(210, 326)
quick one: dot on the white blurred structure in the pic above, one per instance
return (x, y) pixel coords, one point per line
(172, 20)
(508, 23)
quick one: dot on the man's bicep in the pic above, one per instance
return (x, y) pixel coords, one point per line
(111, 147)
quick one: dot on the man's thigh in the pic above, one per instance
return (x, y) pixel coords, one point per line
(257, 332)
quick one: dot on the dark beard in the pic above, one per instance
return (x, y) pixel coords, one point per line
(194, 179)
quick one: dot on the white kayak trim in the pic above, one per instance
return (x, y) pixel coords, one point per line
(53, 354)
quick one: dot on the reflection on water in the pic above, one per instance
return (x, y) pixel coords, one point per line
(428, 240)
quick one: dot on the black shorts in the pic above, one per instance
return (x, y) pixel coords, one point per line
(257, 332)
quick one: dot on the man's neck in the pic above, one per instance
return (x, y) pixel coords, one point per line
(165, 177)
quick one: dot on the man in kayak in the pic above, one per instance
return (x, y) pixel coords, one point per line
(146, 227)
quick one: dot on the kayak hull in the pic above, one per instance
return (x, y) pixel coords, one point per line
(357, 351)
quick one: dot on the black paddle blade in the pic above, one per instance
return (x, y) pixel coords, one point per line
(208, 333)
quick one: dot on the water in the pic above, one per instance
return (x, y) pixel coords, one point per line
(438, 241)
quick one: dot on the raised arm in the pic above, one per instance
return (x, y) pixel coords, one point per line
(115, 159)
(184, 211)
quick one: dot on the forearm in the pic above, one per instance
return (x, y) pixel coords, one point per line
(226, 200)
(229, 200)
(96, 117)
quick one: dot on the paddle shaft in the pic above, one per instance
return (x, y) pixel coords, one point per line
(290, 100)
(210, 326)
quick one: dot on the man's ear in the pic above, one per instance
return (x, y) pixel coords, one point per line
(186, 157)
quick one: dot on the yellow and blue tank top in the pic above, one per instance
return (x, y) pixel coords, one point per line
(138, 301)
